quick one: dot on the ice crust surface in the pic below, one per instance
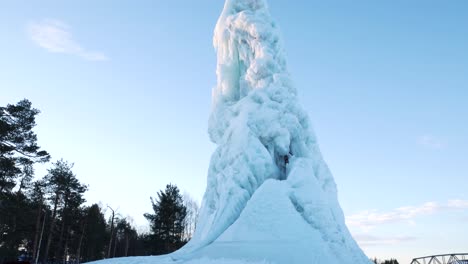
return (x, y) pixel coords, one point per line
(270, 197)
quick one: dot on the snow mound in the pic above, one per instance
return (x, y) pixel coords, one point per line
(270, 196)
(290, 221)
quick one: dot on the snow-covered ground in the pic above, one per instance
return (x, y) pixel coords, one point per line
(270, 196)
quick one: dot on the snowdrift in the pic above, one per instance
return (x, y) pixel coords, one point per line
(270, 196)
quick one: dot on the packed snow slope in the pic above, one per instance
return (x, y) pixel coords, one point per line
(270, 196)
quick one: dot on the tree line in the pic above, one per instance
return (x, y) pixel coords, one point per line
(47, 220)
(387, 261)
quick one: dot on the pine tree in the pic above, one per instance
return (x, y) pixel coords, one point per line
(37, 196)
(18, 153)
(125, 238)
(167, 222)
(391, 261)
(65, 195)
(94, 235)
(18, 144)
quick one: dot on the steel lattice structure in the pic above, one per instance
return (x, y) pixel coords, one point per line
(455, 258)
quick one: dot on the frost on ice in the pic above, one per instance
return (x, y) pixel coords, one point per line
(259, 127)
(270, 196)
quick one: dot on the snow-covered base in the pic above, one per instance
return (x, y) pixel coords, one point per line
(169, 260)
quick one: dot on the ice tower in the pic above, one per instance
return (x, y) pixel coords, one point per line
(268, 186)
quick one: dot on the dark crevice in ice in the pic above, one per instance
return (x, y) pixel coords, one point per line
(282, 163)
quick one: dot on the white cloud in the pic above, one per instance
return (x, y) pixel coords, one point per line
(55, 36)
(368, 220)
(461, 204)
(432, 142)
(366, 240)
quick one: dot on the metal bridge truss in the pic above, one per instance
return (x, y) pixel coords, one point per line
(443, 259)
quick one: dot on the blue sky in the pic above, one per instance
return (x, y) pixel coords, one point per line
(124, 89)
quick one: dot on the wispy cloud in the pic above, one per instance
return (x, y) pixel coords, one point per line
(366, 240)
(368, 220)
(56, 36)
(431, 142)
